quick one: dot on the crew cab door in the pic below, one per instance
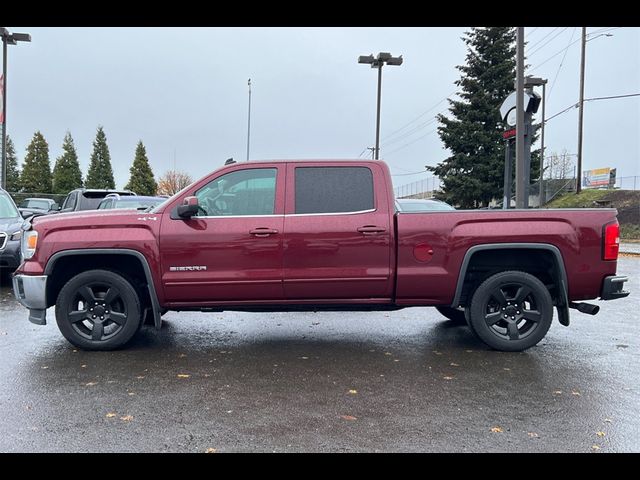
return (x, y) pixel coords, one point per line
(337, 233)
(231, 251)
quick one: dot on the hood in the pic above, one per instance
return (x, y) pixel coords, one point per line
(93, 218)
(10, 225)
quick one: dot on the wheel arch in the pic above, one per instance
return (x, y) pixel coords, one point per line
(55, 283)
(549, 251)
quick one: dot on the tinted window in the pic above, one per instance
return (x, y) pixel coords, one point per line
(32, 203)
(7, 207)
(70, 201)
(333, 189)
(243, 192)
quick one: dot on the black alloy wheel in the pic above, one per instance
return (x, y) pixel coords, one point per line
(511, 311)
(98, 310)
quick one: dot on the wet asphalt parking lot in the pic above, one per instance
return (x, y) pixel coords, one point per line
(329, 382)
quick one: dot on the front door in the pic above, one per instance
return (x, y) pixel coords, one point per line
(337, 234)
(232, 249)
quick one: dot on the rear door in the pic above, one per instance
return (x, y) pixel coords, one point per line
(337, 233)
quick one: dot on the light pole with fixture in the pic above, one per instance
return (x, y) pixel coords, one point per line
(8, 38)
(378, 62)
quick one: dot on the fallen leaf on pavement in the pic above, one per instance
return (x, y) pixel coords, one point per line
(506, 369)
(353, 392)
(183, 375)
(437, 352)
(110, 415)
(448, 378)
(348, 417)
(388, 353)
(577, 394)
(454, 364)
(304, 358)
(600, 434)
(533, 434)
(496, 430)
(126, 418)
(90, 384)
(140, 377)
(210, 450)
(44, 367)
(557, 392)
(131, 393)
(595, 447)
(608, 420)
(83, 366)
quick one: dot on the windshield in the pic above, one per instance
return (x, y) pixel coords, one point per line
(7, 207)
(34, 203)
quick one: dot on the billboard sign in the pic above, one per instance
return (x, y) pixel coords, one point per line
(600, 177)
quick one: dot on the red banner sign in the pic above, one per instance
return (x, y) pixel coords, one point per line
(509, 133)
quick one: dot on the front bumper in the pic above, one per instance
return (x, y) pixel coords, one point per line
(612, 288)
(10, 254)
(31, 291)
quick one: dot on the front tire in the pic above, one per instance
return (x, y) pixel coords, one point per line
(98, 310)
(511, 311)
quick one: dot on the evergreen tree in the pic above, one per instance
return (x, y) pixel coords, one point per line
(100, 173)
(13, 171)
(66, 173)
(474, 173)
(36, 171)
(141, 180)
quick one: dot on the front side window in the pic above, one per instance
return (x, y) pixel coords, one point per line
(243, 192)
(70, 201)
(333, 189)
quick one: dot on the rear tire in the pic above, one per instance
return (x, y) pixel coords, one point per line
(511, 311)
(98, 310)
(456, 315)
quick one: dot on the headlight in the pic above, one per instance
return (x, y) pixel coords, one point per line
(16, 236)
(29, 244)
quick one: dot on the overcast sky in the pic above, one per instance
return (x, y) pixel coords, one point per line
(183, 92)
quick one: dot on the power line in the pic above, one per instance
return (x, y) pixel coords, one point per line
(407, 174)
(543, 38)
(412, 141)
(613, 96)
(547, 42)
(412, 131)
(561, 63)
(419, 116)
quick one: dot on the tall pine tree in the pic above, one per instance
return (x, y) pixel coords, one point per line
(13, 171)
(141, 180)
(100, 173)
(36, 171)
(66, 173)
(474, 173)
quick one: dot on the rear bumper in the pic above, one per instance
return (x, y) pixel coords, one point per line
(31, 292)
(612, 288)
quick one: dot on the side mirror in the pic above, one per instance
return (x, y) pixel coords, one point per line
(25, 213)
(54, 207)
(189, 207)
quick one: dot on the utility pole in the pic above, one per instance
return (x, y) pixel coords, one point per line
(581, 111)
(521, 197)
(542, 199)
(249, 121)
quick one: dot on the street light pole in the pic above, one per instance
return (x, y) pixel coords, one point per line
(581, 111)
(378, 63)
(249, 121)
(378, 113)
(541, 195)
(8, 38)
(522, 188)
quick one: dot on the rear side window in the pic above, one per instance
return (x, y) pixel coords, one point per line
(333, 189)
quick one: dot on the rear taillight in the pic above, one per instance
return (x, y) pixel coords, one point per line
(611, 241)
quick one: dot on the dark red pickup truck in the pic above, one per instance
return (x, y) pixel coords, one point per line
(314, 235)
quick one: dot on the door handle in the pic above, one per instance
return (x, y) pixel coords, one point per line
(370, 229)
(263, 231)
